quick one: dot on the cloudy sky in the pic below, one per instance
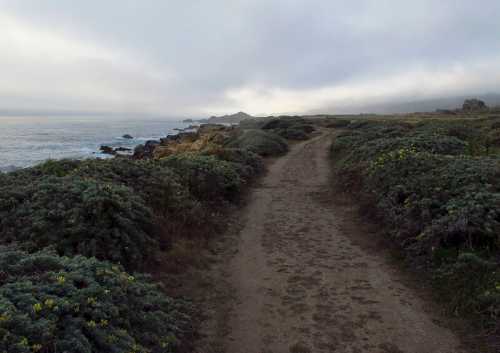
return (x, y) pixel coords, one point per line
(196, 58)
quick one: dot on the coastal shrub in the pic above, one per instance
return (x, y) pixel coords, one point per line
(440, 202)
(255, 123)
(293, 134)
(296, 132)
(291, 128)
(79, 216)
(473, 286)
(261, 142)
(207, 178)
(58, 168)
(337, 123)
(25, 176)
(283, 122)
(495, 124)
(248, 164)
(159, 186)
(493, 138)
(56, 304)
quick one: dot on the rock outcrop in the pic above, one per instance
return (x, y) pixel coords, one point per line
(145, 151)
(114, 151)
(107, 150)
(207, 138)
(474, 106)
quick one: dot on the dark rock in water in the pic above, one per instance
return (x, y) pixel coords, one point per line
(127, 136)
(139, 151)
(122, 149)
(188, 121)
(107, 150)
(145, 151)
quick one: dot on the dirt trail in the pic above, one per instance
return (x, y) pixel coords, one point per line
(301, 284)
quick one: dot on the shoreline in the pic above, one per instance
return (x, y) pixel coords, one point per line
(85, 151)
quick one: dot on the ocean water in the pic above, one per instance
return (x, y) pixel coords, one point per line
(26, 141)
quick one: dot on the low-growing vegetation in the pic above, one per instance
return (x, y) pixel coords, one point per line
(260, 142)
(291, 128)
(55, 304)
(78, 216)
(436, 185)
(207, 178)
(70, 229)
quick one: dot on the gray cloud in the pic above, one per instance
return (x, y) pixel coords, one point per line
(203, 57)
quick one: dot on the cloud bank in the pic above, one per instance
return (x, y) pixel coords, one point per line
(180, 58)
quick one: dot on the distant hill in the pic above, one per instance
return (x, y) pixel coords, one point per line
(229, 119)
(427, 105)
(430, 105)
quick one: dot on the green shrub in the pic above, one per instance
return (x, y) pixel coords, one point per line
(282, 123)
(207, 178)
(26, 176)
(292, 128)
(59, 304)
(439, 197)
(58, 168)
(295, 132)
(438, 201)
(337, 123)
(493, 138)
(247, 164)
(495, 124)
(255, 123)
(79, 216)
(473, 284)
(260, 142)
(157, 185)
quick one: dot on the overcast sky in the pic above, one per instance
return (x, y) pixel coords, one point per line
(201, 57)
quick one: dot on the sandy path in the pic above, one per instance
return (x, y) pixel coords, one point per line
(301, 284)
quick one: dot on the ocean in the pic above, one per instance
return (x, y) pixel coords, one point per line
(27, 141)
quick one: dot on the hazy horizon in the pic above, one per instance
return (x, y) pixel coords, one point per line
(179, 59)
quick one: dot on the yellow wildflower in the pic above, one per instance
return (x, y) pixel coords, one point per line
(24, 342)
(37, 307)
(61, 279)
(49, 303)
(111, 338)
